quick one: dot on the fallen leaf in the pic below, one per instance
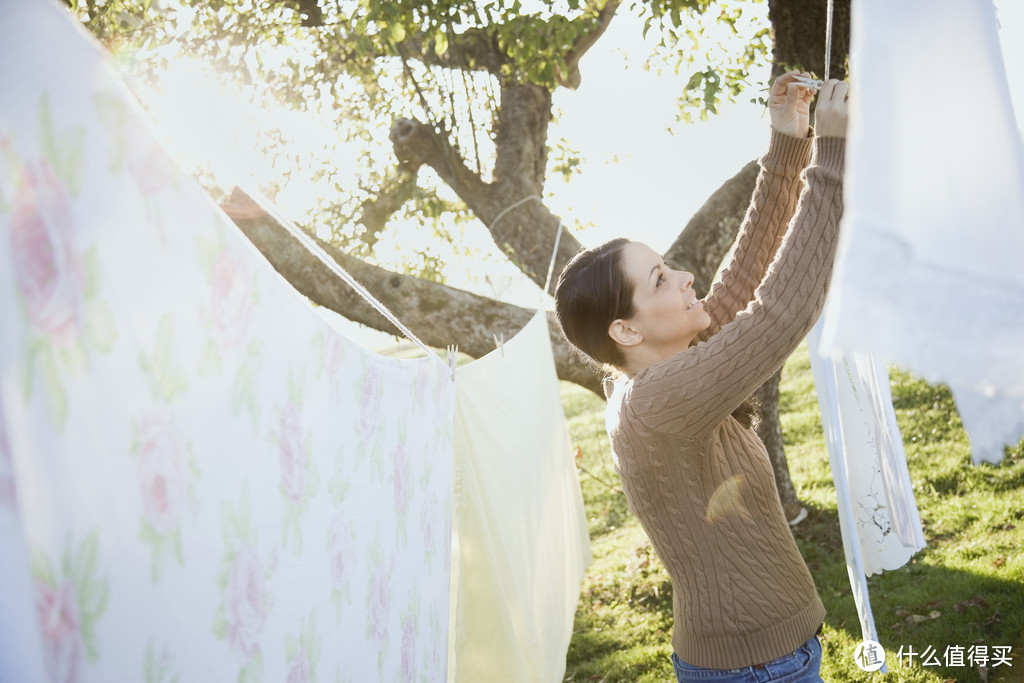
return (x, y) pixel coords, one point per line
(934, 614)
(998, 562)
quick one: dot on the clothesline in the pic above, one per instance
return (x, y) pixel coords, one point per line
(316, 250)
(320, 254)
(558, 235)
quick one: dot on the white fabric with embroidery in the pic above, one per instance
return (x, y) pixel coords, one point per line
(929, 273)
(878, 515)
(199, 478)
(521, 542)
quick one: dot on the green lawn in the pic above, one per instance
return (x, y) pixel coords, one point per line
(966, 588)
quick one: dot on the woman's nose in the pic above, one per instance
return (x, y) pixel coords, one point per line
(685, 279)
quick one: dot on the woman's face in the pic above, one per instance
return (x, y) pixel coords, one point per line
(668, 314)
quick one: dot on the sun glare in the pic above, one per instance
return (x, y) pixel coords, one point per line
(220, 127)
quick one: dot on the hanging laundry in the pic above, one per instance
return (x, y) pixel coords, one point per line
(878, 515)
(200, 480)
(929, 268)
(521, 543)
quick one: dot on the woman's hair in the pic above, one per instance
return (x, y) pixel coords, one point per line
(592, 292)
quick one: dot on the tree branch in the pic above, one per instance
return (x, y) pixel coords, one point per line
(417, 144)
(475, 49)
(439, 315)
(527, 233)
(572, 78)
(375, 212)
(708, 236)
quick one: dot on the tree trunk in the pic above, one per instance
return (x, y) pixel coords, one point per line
(770, 431)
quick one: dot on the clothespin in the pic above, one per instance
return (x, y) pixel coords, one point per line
(453, 356)
(499, 343)
(808, 82)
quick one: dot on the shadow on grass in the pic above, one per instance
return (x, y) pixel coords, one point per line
(939, 612)
(624, 622)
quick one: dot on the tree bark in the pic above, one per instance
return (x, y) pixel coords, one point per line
(510, 205)
(799, 36)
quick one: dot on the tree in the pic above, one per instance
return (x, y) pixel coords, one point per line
(481, 76)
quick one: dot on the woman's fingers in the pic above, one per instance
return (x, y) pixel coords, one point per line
(830, 115)
(833, 90)
(782, 83)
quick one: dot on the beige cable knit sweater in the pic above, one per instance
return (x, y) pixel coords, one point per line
(700, 483)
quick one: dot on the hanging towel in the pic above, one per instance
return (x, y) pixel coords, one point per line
(200, 480)
(521, 541)
(929, 268)
(878, 516)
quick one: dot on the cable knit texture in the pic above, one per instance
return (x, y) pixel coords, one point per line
(700, 483)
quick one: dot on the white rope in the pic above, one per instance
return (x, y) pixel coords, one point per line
(310, 244)
(828, 38)
(512, 206)
(554, 256)
(558, 235)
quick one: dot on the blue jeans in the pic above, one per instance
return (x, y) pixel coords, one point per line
(802, 666)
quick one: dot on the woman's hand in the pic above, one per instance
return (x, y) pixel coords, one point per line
(789, 104)
(830, 114)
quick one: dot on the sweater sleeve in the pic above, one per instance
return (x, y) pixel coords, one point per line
(696, 389)
(771, 207)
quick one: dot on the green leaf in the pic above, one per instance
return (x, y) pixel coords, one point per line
(70, 162)
(49, 145)
(149, 669)
(209, 364)
(396, 32)
(208, 249)
(178, 554)
(85, 561)
(220, 624)
(147, 534)
(42, 568)
(229, 527)
(55, 390)
(100, 327)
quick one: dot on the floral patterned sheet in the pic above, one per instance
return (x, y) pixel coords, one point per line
(199, 478)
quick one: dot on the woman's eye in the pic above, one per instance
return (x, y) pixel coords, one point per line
(661, 279)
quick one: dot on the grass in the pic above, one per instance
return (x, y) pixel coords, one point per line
(966, 588)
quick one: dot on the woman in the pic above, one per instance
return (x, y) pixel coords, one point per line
(693, 469)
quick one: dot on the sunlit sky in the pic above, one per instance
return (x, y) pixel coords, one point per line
(637, 178)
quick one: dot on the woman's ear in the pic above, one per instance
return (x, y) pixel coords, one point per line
(624, 333)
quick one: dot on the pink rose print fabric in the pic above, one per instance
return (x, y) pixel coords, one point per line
(200, 479)
(47, 265)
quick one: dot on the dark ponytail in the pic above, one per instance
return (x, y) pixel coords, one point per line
(591, 293)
